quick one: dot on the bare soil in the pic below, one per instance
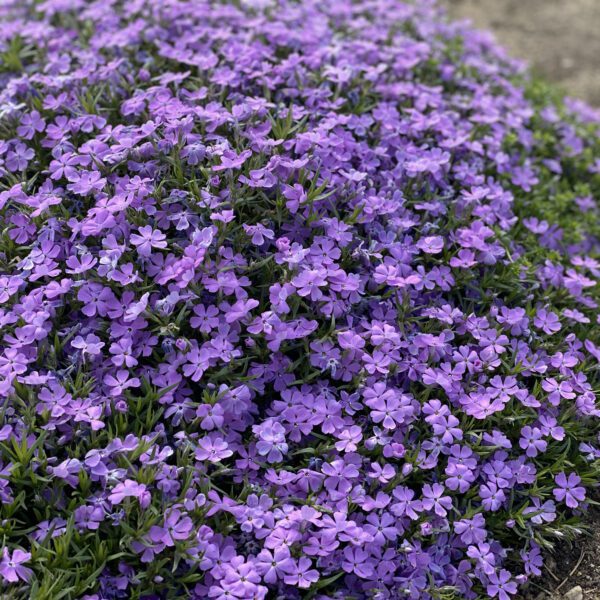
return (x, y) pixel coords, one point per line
(559, 38)
(571, 566)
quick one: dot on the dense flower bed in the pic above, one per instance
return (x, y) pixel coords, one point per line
(298, 300)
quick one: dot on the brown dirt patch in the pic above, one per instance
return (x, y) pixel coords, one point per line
(572, 565)
(559, 38)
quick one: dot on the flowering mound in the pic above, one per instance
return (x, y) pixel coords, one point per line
(298, 300)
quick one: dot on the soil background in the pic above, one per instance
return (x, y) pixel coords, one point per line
(559, 38)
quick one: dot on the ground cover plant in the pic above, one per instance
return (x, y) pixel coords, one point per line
(298, 299)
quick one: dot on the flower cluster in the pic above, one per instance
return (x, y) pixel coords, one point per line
(298, 299)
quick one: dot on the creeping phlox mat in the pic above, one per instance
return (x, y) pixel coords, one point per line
(298, 300)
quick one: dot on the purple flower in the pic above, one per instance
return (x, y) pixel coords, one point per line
(271, 442)
(67, 470)
(531, 441)
(242, 577)
(567, 489)
(231, 160)
(18, 158)
(86, 182)
(274, 565)
(356, 561)
(301, 574)
(212, 416)
(213, 449)
(547, 321)
(348, 439)
(386, 407)
(491, 497)
(432, 244)
(471, 531)
(194, 153)
(500, 585)
(11, 566)
(541, 512)
(147, 239)
(91, 344)
(295, 196)
(433, 498)
(121, 381)
(259, 233)
(483, 556)
(533, 560)
(130, 489)
(175, 528)
(309, 282)
(31, 123)
(514, 320)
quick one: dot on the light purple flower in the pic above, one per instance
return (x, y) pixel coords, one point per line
(568, 490)
(11, 566)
